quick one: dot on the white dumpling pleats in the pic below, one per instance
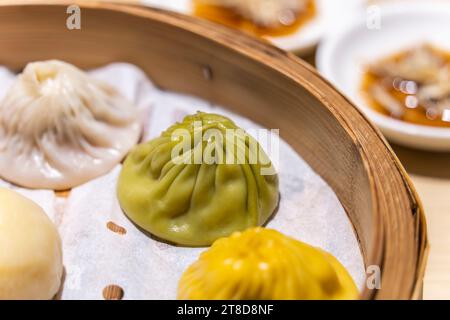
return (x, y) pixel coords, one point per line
(59, 127)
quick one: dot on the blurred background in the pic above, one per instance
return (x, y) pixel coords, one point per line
(392, 59)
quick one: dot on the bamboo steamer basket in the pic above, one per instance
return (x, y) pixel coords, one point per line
(258, 81)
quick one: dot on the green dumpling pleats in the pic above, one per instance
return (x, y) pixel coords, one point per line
(201, 180)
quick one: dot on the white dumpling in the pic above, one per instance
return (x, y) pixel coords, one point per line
(268, 13)
(59, 127)
(30, 250)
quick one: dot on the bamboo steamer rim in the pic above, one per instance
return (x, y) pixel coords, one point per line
(366, 138)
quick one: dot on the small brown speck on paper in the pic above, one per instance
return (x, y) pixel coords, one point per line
(116, 228)
(113, 292)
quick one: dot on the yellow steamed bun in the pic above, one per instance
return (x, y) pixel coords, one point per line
(30, 250)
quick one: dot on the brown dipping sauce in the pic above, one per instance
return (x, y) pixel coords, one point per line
(405, 92)
(230, 18)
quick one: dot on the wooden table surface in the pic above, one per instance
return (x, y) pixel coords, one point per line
(430, 173)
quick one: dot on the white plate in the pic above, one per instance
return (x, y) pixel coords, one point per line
(330, 12)
(344, 53)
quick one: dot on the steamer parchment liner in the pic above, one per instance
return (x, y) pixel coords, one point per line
(107, 256)
(251, 78)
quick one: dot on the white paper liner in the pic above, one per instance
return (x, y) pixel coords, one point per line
(96, 257)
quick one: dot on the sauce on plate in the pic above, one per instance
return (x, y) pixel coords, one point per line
(231, 18)
(413, 86)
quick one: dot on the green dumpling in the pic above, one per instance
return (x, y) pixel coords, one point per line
(201, 180)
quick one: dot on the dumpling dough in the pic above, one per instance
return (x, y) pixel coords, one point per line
(30, 250)
(263, 264)
(60, 128)
(266, 13)
(197, 201)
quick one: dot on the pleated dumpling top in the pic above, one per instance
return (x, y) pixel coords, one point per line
(180, 187)
(60, 127)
